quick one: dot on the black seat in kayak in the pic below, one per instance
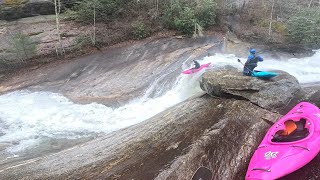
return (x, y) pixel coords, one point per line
(299, 133)
(300, 124)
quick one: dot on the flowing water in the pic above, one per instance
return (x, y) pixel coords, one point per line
(33, 123)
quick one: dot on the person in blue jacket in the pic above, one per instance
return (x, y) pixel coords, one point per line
(251, 63)
(196, 64)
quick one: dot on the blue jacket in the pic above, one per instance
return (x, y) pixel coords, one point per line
(252, 59)
(251, 63)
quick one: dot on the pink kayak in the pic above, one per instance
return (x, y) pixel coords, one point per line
(292, 142)
(191, 71)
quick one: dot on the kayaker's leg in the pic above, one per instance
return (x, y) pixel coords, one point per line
(246, 71)
(250, 69)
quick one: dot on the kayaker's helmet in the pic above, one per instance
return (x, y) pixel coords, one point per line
(252, 51)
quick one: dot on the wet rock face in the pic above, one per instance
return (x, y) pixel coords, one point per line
(309, 94)
(312, 94)
(271, 94)
(115, 76)
(10, 10)
(311, 171)
(26, 9)
(217, 133)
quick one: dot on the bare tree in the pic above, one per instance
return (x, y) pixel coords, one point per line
(94, 6)
(310, 3)
(57, 7)
(270, 25)
(94, 23)
(157, 8)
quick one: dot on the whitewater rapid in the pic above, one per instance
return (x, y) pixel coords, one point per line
(27, 119)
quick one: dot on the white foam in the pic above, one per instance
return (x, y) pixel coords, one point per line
(27, 117)
(306, 70)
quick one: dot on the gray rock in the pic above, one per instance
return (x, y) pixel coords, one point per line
(271, 94)
(312, 94)
(26, 9)
(29, 8)
(126, 66)
(309, 94)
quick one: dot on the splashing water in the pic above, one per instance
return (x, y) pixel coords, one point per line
(28, 117)
(306, 70)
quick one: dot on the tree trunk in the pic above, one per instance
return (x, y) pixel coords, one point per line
(59, 49)
(310, 3)
(270, 25)
(157, 7)
(94, 24)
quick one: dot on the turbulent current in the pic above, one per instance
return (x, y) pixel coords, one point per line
(29, 121)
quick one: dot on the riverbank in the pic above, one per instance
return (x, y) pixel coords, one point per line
(76, 38)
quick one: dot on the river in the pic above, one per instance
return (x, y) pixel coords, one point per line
(34, 123)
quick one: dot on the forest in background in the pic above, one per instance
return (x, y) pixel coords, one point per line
(296, 21)
(274, 22)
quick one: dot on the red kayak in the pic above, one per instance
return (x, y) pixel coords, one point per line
(191, 71)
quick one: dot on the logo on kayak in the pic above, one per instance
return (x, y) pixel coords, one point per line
(270, 155)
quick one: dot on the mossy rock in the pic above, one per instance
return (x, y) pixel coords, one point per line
(16, 9)
(14, 3)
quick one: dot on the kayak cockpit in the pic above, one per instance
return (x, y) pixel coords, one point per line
(294, 131)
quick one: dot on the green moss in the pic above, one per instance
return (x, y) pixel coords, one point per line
(82, 41)
(139, 30)
(14, 3)
(23, 46)
(278, 27)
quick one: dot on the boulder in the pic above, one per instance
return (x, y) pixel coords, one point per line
(273, 94)
(10, 10)
(312, 94)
